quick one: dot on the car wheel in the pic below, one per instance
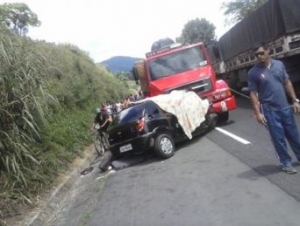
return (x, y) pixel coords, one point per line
(164, 146)
(223, 117)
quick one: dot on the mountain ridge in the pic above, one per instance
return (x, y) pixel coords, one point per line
(119, 63)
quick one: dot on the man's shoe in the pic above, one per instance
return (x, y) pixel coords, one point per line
(289, 169)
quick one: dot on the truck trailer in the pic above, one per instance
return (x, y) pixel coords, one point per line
(276, 23)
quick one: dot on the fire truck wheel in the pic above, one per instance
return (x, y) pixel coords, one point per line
(164, 146)
(223, 117)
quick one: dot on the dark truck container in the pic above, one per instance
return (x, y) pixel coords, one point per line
(277, 22)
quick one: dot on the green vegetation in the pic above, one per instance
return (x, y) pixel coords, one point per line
(17, 17)
(198, 30)
(237, 10)
(48, 94)
(86, 218)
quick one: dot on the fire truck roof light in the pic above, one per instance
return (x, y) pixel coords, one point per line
(162, 50)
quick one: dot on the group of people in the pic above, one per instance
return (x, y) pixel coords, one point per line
(108, 110)
(115, 107)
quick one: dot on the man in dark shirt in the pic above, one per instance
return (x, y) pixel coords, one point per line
(268, 84)
(106, 119)
(97, 120)
(101, 122)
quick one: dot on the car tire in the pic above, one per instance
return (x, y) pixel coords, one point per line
(223, 117)
(211, 121)
(164, 146)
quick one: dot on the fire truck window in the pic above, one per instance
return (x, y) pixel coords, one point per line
(178, 62)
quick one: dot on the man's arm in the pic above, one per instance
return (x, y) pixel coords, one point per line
(255, 102)
(94, 123)
(104, 123)
(291, 92)
(289, 88)
(106, 120)
(256, 107)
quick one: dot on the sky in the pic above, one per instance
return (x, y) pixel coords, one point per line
(108, 28)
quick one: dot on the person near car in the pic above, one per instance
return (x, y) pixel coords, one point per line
(268, 83)
(106, 118)
(118, 107)
(97, 120)
(126, 103)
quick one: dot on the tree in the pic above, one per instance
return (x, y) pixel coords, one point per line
(237, 10)
(124, 76)
(17, 17)
(198, 30)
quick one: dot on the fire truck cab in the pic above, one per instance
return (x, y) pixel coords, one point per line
(183, 67)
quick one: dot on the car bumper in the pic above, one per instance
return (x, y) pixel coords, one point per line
(135, 145)
(224, 105)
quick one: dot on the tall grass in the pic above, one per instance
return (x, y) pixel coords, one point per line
(47, 93)
(23, 102)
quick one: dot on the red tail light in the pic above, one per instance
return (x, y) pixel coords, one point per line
(140, 124)
(220, 95)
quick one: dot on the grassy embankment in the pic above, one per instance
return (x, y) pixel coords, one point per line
(48, 94)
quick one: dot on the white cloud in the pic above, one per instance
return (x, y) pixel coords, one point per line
(107, 28)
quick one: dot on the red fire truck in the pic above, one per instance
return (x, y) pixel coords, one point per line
(183, 67)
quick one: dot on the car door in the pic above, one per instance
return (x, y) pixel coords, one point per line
(157, 119)
(153, 116)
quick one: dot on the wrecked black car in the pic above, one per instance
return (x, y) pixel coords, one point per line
(145, 126)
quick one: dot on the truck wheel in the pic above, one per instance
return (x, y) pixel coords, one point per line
(223, 117)
(212, 121)
(164, 146)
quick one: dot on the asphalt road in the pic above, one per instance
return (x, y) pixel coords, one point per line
(217, 179)
(259, 154)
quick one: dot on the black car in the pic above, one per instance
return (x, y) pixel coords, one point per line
(146, 126)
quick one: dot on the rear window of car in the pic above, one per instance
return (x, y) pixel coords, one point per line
(152, 108)
(130, 114)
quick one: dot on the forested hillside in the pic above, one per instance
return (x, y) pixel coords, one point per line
(119, 63)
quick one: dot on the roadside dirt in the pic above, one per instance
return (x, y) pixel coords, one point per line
(42, 200)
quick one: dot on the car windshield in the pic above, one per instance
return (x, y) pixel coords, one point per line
(130, 114)
(178, 62)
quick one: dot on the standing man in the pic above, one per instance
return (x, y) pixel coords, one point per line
(106, 120)
(268, 84)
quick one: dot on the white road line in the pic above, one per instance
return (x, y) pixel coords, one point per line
(232, 136)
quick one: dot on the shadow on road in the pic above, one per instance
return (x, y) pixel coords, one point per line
(224, 124)
(141, 159)
(243, 102)
(261, 171)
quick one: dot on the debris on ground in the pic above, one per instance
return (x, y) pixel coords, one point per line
(87, 170)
